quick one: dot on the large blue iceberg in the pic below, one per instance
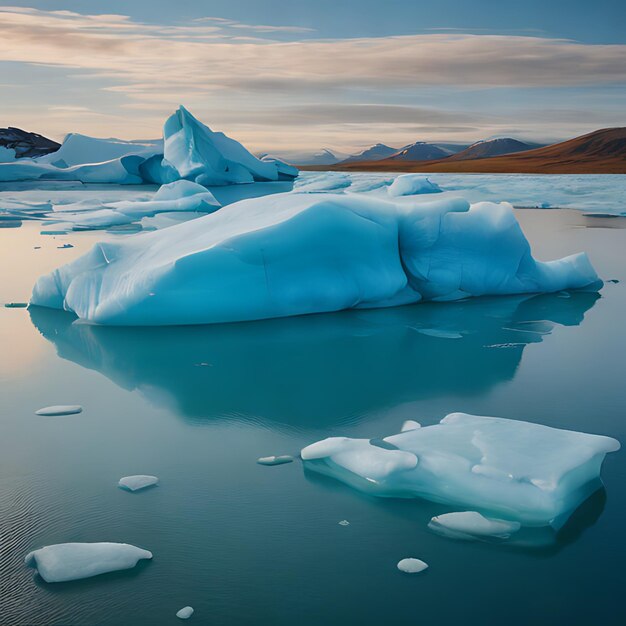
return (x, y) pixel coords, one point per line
(293, 254)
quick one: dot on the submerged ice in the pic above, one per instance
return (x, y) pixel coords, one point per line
(472, 525)
(292, 254)
(72, 561)
(521, 472)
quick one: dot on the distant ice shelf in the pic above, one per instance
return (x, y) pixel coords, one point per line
(514, 471)
(601, 194)
(293, 254)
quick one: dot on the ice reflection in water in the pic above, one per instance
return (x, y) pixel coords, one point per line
(318, 370)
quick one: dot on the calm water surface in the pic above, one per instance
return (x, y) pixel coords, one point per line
(247, 544)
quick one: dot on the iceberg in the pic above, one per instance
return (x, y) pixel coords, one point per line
(137, 482)
(78, 149)
(517, 471)
(72, 561)
(121, 171)
(293, 254)
(210, 158)
(472, 525)
(412, 184)
(412, 566)
(285, 170)
(189, 150)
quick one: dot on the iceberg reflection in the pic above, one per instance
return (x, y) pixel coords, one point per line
(318, 370)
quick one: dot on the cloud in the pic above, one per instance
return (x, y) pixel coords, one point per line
(354, 114)
(201, 54)
(267, 76)
(259, 28)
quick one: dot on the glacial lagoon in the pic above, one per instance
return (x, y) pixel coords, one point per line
(243, 543)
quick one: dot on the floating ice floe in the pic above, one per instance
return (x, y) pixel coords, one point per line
(344, 522)
(185, 613)
(293, 254)
(412, 184)
(275, 460)
(72, 561)
(472, 525)
(180, 196)
(137, 482)
(526, 473)
(69, 409)
(412, 566)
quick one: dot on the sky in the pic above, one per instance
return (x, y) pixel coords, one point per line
(290, 77)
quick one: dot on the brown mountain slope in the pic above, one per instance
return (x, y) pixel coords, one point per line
(600, 152)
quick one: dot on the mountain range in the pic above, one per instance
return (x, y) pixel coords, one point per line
(600, 152)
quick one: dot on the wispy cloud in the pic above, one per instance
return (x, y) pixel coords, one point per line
(225, 23)
(289, 77)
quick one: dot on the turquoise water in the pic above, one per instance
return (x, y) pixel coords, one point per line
(248, 544)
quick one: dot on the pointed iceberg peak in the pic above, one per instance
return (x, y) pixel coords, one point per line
(212, 158)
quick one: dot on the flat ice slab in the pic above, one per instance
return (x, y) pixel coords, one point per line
(62, 409)
(137, 482)
(514, 470)
(412, 566)
(185, 613)
(472, 525)
(297, 253)
(275, 460)
(72, 561)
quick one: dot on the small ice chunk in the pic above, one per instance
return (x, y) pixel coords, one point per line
(471, 525)
(344, 522)
(412, 566)
(62, 409)
(137, 482)
(185, 613)
(72, 561)
(410, 425)
(411, 184)
(275, 460)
